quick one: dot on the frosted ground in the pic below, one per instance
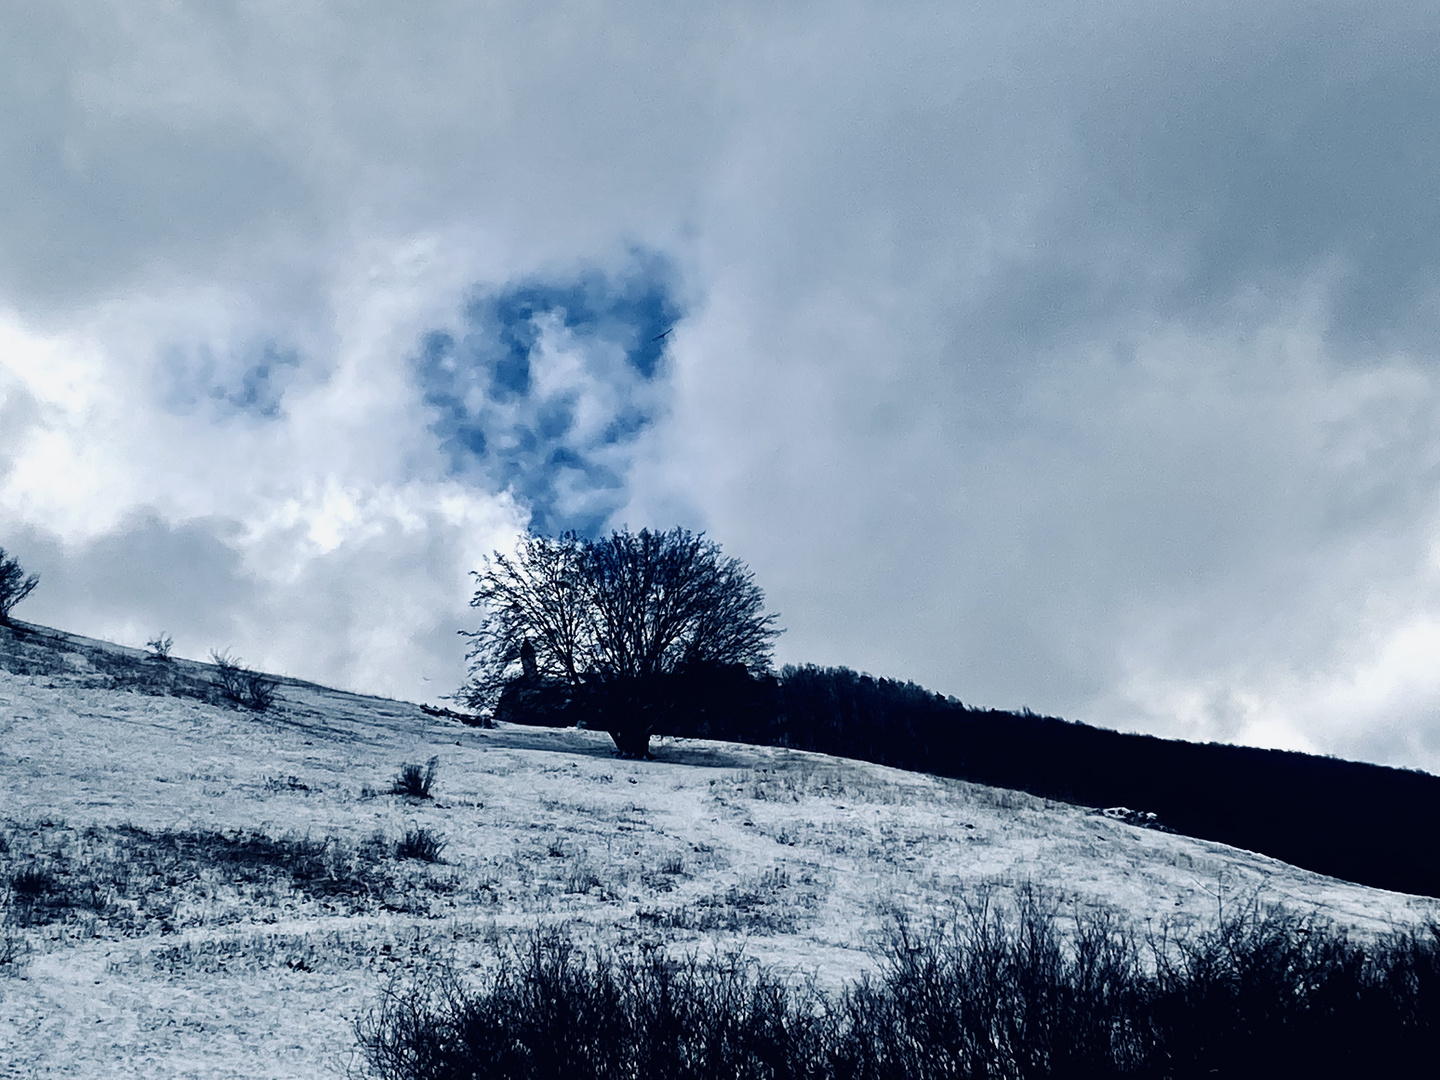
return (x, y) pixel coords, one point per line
(242, 903)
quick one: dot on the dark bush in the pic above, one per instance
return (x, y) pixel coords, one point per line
(419, 843)
(14, 585)
(33, 883)
(160, 646)
(551, 1010)
(415, 781)
(1263, 995)
(1269, 993)
(38, 895)
(242, 686)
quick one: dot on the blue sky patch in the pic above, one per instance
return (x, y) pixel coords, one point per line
(545, 384)
(252, 383)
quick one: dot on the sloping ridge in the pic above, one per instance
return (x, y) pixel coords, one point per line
(219, 891)
(1370, 824)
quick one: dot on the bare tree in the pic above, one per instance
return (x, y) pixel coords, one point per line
(14, 585)
(608, 621)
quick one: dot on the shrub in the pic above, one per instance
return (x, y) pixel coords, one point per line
(160, 646)
(1270, 993)
(12, 941)
(990, 996)
(1263, 994)
(14, 585)
(241, 685)
(33, 884)
(37, 896)
(415, 781)
(550, 1010)
(419, 843)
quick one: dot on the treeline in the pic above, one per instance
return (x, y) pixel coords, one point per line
(1364, 823)
(1024, 998)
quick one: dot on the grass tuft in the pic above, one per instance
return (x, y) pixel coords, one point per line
(419, 843)
(415, 781)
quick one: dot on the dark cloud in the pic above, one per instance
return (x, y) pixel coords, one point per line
(1235, 150)
(142, 577)
(95, 190)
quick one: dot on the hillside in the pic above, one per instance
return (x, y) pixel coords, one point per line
(1349, 819)
(212, 891)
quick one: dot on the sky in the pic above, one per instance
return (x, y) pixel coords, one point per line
(1079, 356)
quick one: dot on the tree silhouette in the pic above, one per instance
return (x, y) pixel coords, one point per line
(607, 626)
(14, 585)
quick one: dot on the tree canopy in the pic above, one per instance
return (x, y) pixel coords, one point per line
(609, 621)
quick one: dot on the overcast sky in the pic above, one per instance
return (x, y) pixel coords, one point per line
(1076, 355)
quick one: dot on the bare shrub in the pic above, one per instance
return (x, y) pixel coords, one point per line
(54, 891)
(160, 646)
(242, 686)
(12, 941)
(419, 843)
(991, 995)
(548, 1009)
(415, 781)
(38, 896)
(14, 584)
(1004, 996)
(1270, 993)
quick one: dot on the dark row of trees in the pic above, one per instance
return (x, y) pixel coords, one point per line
(1361, 822)
(1364, 823)
(658, 633)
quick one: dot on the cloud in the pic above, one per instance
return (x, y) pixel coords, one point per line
(547, 387)
(140, 578)
(256, 385)
(1074, 355)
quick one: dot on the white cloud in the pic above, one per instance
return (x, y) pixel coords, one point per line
(1073, 355)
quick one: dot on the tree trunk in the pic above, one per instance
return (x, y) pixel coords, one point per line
(624, 710)
(632, 742)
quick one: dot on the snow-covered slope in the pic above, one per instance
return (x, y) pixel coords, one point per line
(232, 908)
